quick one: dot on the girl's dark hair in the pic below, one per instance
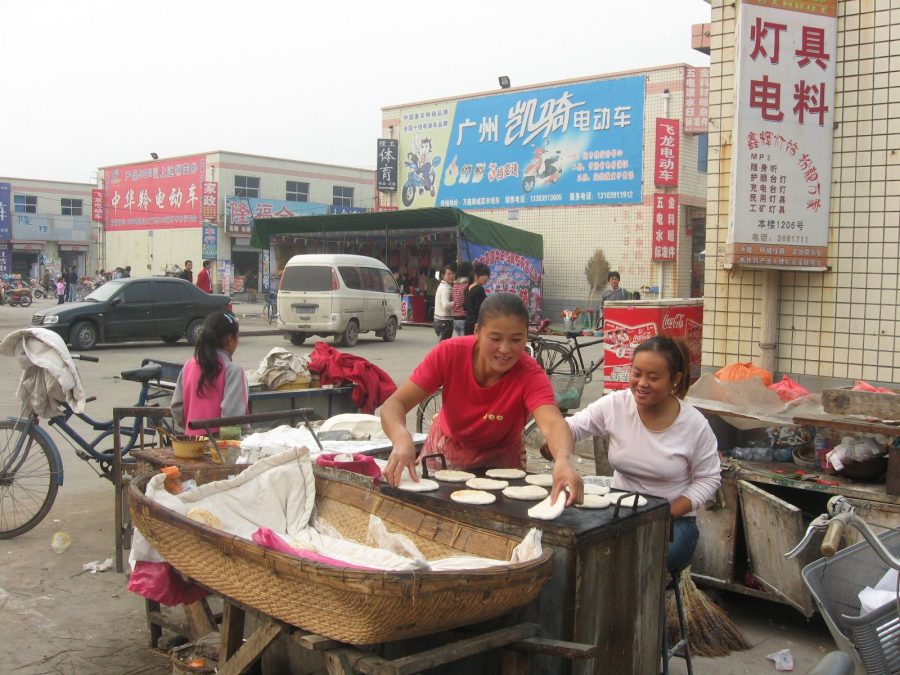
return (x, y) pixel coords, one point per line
(450, 267)
(464, 269)
(216, 329)
(502, 304)
(479, 270)
(677, 356)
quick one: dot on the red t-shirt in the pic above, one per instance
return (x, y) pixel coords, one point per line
(203, 282)
(482, 417)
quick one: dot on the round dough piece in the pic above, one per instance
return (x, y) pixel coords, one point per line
(505, 474)
(424, 485)
(547, 511)
(626, 501)
(452, 476)
(486, 484)
(592, 501)
(205, 516)
(473, 497)
(590, 489)
(527, 493)
(542, 479)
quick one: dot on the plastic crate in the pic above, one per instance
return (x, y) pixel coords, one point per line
(835, 584)
(567, 390)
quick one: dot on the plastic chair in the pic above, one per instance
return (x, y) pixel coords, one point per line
(680, 648)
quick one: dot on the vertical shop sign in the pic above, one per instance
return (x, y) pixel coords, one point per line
(210, 241)
(5, 259)
(783, 134)
(387, 164)
(97, 206)
(665, 227)
(5, 217)
(696, 100)
(665, 163)
(210, 203)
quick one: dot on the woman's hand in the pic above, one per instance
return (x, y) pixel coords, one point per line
(561, 446)
(566, 477)
(403, 456)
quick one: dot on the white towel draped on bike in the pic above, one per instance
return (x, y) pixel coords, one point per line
(49, 375)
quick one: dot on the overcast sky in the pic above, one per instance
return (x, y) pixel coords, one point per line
(92, 83)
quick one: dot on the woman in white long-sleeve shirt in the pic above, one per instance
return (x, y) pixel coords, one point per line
(658, 445)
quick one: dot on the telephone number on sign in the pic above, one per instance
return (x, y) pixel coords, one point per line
(792, 239)
(616, 194)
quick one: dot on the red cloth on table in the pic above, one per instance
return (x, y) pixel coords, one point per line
(373, 385)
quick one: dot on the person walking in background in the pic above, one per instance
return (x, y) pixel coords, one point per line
(443, 305)
(612, 292)
(458, 295)
(73, 284)
(203, 281)
(60, 290)
(475, 295)
(188, 272)
(127, 273)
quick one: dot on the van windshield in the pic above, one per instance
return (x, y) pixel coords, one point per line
(306, 278)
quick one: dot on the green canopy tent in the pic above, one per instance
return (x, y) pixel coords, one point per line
(514, 256)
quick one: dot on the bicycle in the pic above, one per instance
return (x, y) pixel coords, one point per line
(31, 467)
(271, 309)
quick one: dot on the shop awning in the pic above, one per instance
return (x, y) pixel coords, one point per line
(474, 229)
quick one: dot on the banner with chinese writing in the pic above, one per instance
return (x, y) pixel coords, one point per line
(387, 163)
(781, 157)
(209, 207)
(97, 200)
(665, 227)
(5, 258)
(162, 194)
(210, 241)
(696, 100)
(510, 273)
(240, 211)
(665, 156)
(572, 144)
(338, 210)
(5, 216)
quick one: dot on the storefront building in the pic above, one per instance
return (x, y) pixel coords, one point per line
(160, 213)
(812, 88)
(44, 225)
(612, 163)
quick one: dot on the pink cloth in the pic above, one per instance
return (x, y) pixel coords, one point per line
(160, 582)
(265, 537)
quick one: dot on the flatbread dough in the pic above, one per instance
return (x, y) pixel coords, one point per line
(547, 511)
(486, 484)
(594, 501)
(505, 474)
(528, 493)
(473, 497)
(206, 517)
(542, 479)
(424, 485)
(452, 476)
(590, 489)
(626, 501)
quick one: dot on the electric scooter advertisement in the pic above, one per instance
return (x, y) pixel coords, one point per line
(568, 145)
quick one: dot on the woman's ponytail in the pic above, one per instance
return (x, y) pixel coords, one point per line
(216, 329)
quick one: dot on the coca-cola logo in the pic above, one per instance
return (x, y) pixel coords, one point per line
(670, 321)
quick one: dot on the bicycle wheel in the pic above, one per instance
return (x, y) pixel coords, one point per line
(555, 359)
(271, 313)
(426, 411)
(28, 487)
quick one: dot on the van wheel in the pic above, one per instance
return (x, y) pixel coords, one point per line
(298, 338)
(390, 330)
(350, 336)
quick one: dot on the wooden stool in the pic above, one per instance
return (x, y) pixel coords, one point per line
(680, 648)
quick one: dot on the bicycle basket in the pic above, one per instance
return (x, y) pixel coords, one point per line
(567, 389)
(835, 584)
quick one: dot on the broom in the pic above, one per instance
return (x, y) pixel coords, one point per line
(709, 630)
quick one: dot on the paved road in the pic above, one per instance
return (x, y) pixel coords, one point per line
(53, 618)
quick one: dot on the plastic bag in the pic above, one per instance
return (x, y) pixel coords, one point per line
(736, 372)
(853, 449)
(161, 583)
(379, 537)
(788, 390)
(862, 385)
(783, 659)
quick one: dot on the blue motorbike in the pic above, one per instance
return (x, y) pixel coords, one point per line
(418, 178)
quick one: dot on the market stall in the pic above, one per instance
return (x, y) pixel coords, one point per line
(416, 243)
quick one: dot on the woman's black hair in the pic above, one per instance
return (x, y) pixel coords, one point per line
(677, 356)
(216, 329)
(502, 304)
(464, 269)
(479, 270)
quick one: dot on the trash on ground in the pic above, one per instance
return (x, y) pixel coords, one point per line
(783, 659)
(96, 566)
(60, 541)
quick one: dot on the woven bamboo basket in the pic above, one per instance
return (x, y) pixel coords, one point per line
(354, 606)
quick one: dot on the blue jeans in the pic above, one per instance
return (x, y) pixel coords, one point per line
(684, 540)
(459, 327)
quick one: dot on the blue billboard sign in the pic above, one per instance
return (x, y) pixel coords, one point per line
(210, 245)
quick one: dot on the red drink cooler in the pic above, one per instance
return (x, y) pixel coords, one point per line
(627, 323)
(413, 308)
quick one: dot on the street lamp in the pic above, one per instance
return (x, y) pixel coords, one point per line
(154, 155)
(504, 82)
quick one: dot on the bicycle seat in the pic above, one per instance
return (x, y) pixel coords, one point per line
(149, 372)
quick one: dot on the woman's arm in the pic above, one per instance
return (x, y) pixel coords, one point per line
(177, 405)
(562, 446)
(705, 469)
(393, 421)
(588, 421)
(234, 398)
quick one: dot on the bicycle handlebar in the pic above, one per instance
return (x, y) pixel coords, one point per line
(85, 357)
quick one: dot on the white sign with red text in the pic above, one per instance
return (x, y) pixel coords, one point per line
(784, 115)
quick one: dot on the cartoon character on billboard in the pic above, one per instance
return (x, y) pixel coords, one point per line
(545, 168)
(421, 165)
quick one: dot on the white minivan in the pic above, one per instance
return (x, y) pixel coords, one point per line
(341, 295)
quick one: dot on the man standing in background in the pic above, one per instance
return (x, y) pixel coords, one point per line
(203, 281)
(612, 292)
(187, 273)
(73, 283)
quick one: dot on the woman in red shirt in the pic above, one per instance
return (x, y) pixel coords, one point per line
(490, 387)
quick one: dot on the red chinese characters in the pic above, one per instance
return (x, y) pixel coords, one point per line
(665, 165)
(665, 227)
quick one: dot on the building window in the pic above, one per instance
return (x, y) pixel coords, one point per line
(71, 207)
(246, 186)
(297, 192)
(702, 152)
(342, 196)
(25, 203)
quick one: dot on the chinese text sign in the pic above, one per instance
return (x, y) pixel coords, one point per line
(5, 217)
(209, 206)
(665, 227)
(696, 100)
(210, 241)
(240, 211)
(97, 200)
(665, 158)
(781, 167)
(387, 163)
